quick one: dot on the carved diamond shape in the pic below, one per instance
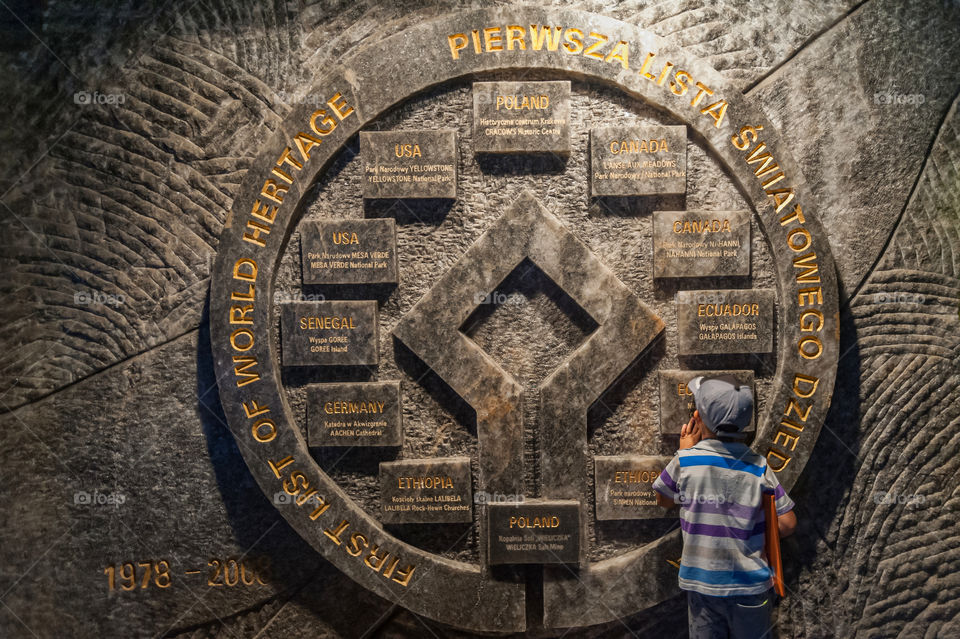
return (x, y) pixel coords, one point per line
(625, 327)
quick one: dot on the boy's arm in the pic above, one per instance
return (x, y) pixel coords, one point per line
(786, 523)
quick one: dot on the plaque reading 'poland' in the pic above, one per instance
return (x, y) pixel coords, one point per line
(354, 414)
(521, 117)
(624, 486)
(638, 160)
(701, 243)
(334, 333)
(349, 252)
(676, 399)
(409, 164)
(534, 532)
(426, 491)
(725, 321)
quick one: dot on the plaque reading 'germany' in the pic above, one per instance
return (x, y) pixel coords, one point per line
(521, 117)
(354, 414)
(426, 491)
(676, 399)
(342, 332)
(701, 243)
(624, 485)
(409, 164)
(534, 532)
(725, 321)
(638, 160)
(349, 252)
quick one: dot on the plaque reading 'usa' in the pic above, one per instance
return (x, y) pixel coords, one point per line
(409, 164)
(349, 252)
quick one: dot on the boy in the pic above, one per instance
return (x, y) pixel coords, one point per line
(718, 483)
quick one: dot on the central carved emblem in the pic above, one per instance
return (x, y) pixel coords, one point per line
(625, 328)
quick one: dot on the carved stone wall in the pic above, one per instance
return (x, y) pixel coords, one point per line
(129, 132)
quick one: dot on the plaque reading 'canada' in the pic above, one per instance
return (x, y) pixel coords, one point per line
(638, 160)
(701, 243)
(624, 486)
(534, 532)
(725, 321)
(341, 332)
(354, 414)
(521, 117)
(426, 491)
(676, 399)
(349, 252)
(409, 164)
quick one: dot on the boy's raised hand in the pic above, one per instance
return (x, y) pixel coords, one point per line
(690, 433)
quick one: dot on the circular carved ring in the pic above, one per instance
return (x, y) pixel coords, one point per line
(368, 83)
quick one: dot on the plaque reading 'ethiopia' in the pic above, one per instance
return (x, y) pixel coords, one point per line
(534, 532)
(354, 414)
(409, 164)
(342, 332)
(701, 243)
(676, 399)
(725, 321)
(638, 160)
(521, 117)
(349, 252)
(624, 485)
(426, 491)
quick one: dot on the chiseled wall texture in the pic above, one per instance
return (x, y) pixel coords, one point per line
(110, 219)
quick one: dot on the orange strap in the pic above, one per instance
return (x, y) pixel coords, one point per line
(771, 544)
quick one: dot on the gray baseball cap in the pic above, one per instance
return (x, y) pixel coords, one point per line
(725, 406)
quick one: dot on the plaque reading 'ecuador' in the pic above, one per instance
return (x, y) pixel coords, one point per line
(409, 164)
(701, 243)
(725, 321)
(349, 252)
(521, 117)
(676, 400)
(341, 332)
(534, 532)
(624, 485)
(426, 491)
(354, 414)
(638, 160)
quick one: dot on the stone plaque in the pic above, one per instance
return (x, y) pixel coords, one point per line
(409, 164)
(521, 117)
(701, 243)
(624, 486)
(534, 532)
(338, 332)
(349, 252)
(426, 491)
(354, 414)
(676, 400)
(638, 160)
(716, 322)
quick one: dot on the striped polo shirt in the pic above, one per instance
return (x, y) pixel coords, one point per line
(719, 486)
